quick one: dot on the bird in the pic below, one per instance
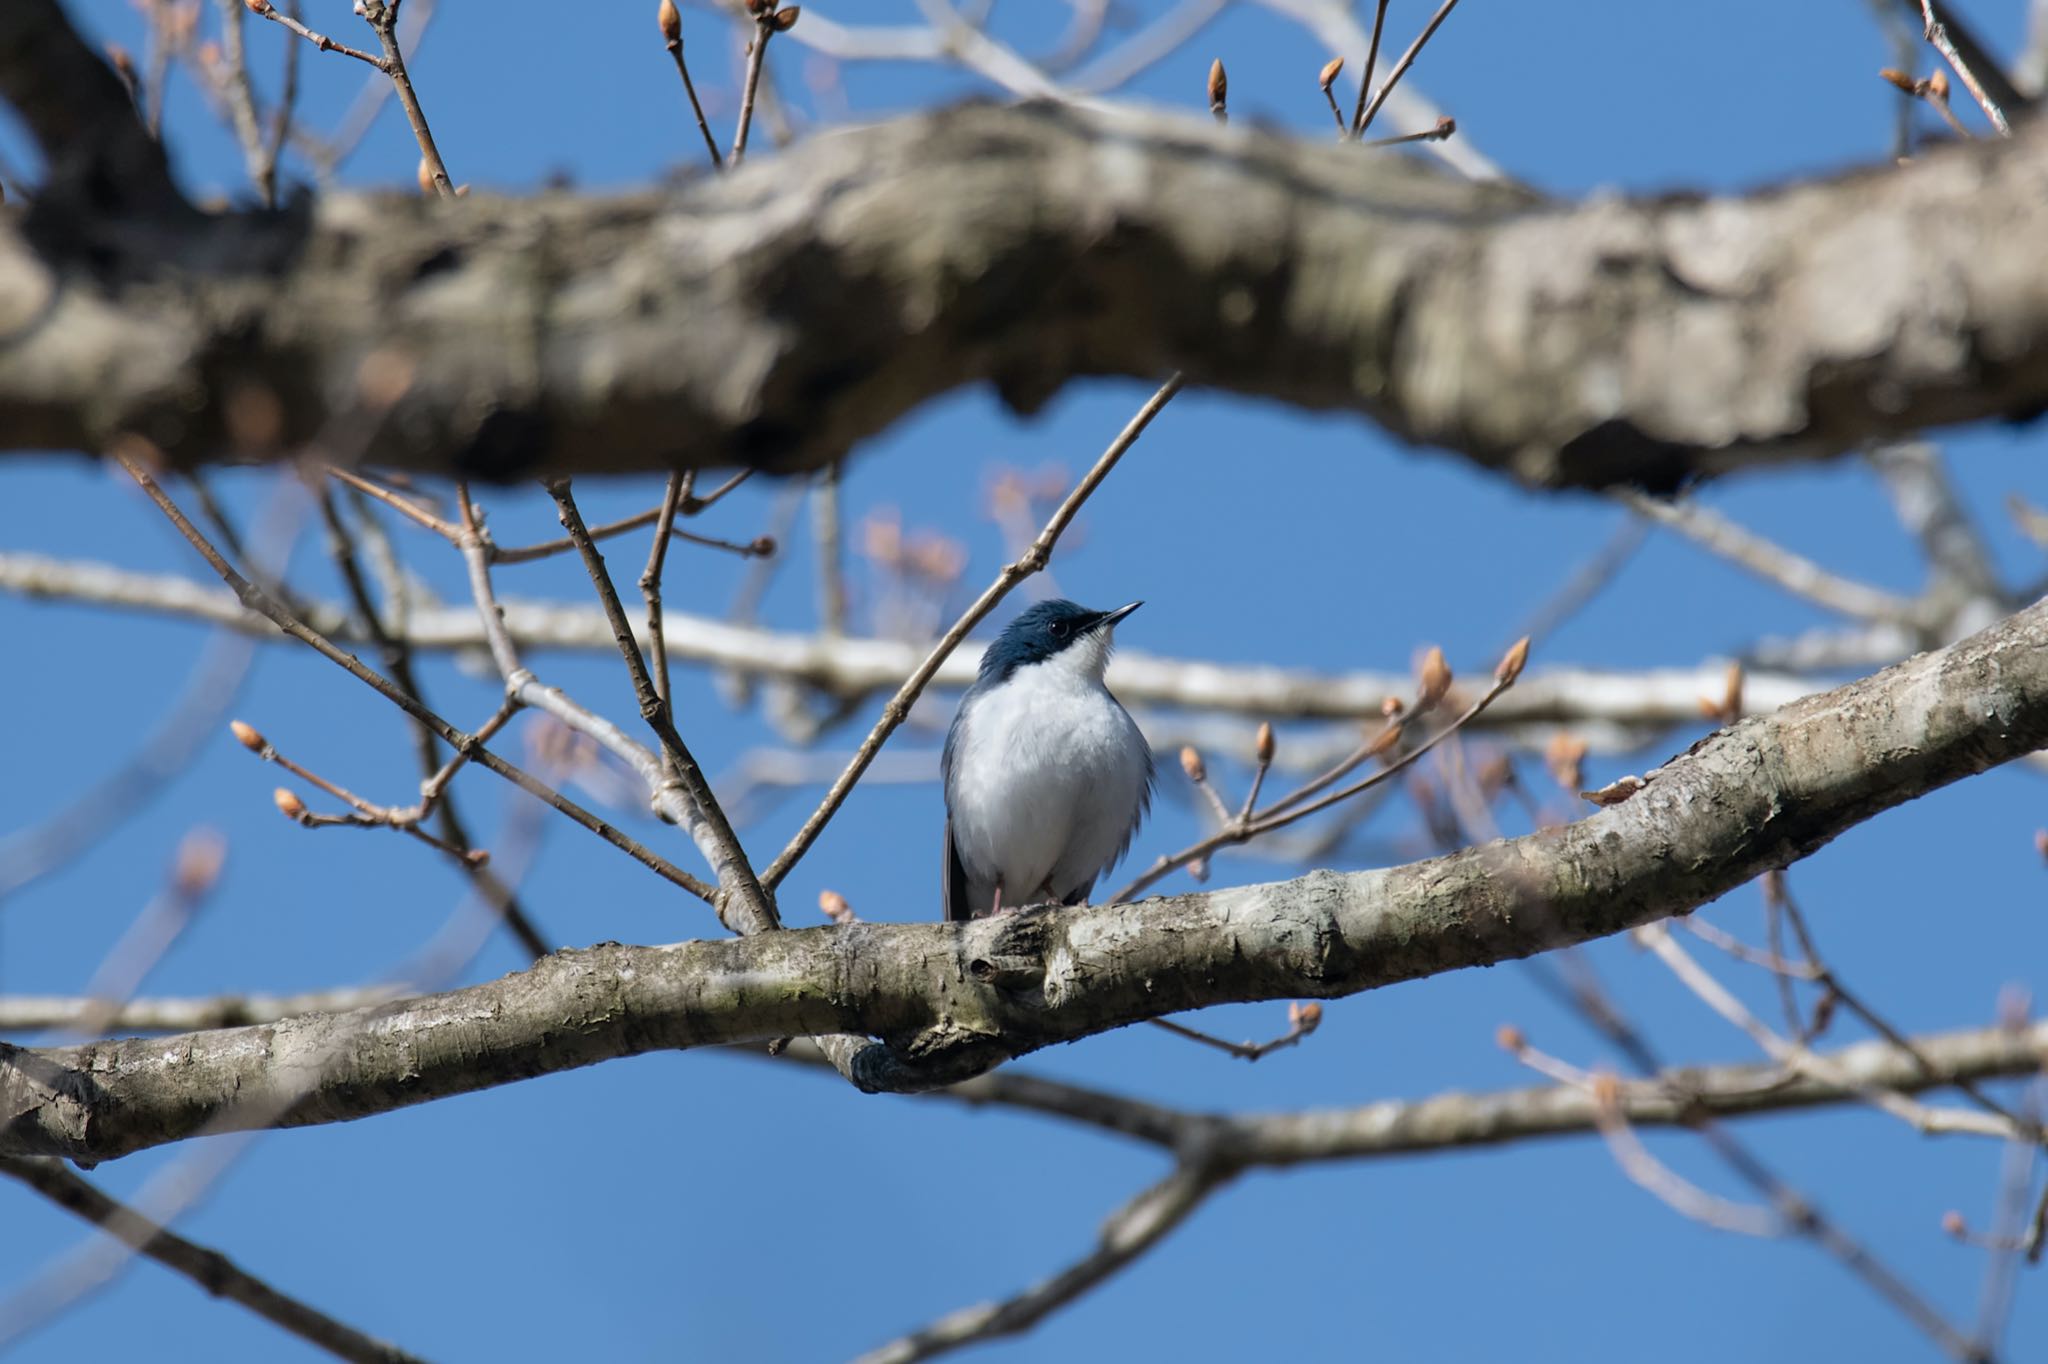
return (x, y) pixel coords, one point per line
(1046, 775)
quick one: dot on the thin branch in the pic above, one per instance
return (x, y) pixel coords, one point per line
(1937, 34)
(383, 17)
(1401, 67)
(1131, 1230)
(268, 11)
(1372, 57)
(1770, 1085)
(329, 154)
(1033, 560)
(827, 526)
(739, 887)
(1618, 709)
(1921, 1117)
(69, 1013)
(241, 98)
(1302, 1020)
(1778, 893)
(398, 665)
(1144, 48)
(256, 599)
(1294, 807)
(1924, 497)
(672, 35)
(678, 488)
(1662, 1182)
(523, 688)
(207, 1268)
(764, 29)
(1445, 127)
(281, 116)
(1771, 562)
(405, 506)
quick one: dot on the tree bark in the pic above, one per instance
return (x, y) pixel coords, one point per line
(951, 1001)
(776, 317)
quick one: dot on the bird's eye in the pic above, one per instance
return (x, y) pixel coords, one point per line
(1059, 629)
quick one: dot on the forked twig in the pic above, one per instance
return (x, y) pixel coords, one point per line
(256, 599)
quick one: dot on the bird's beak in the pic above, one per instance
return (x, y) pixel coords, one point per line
(1110, 618)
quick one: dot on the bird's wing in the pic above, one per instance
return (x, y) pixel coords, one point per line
(1144, 794)
(958, 910)
(955, 891)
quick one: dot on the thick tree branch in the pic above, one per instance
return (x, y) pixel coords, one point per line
(1675, 1097)
(100, 156)
(777, 316)
(950, 1001)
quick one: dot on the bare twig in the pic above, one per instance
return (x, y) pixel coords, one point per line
(1660, 1180)
(1144, 48)
(1130, 1231)
(1445, 127)
(256, 599)
(405, 506)
(208, 1268)
(1766, 1085)
(677, 488)
(1302, 1019)
(398, 665)
(1922, 1117)
(760, 547)
(281, 116)
(1297, 805)
(327, 155)
(1933, 91)
(764, 28)
(1031, 561)
(672, 34)
(738, 885)
(241, 99)
(193, 876)
(827, 524)
(383, 17)
(1401, 67)
(1372, 57)
(1777, 893)
(1795, 573)
(320, 40)
(1615, 710)
(1937, 34)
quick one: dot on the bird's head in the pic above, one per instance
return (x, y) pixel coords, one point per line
(1055, 631)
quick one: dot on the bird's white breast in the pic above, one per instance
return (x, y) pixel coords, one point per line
(1048, 779)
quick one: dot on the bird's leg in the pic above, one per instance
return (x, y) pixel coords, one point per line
(997, 907)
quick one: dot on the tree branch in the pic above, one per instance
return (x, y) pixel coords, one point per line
(100, 156)
(776, 316)
(1131, 1230)
(852, 667)
(204, 1266)
(953, 1000)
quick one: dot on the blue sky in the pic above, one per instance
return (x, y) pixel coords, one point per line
(706, 1207)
